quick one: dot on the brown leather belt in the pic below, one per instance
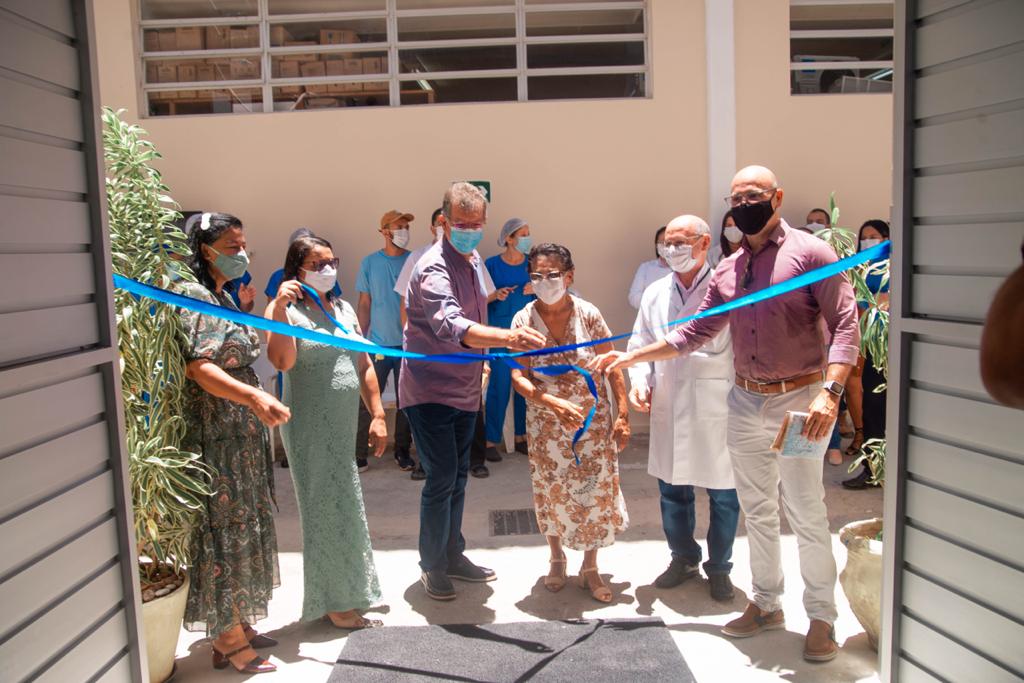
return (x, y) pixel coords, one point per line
(781, 386)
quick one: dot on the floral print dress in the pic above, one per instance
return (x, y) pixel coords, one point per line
(581, 504)
(234, 548)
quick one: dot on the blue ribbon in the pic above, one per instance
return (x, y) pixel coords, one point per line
(354, 342)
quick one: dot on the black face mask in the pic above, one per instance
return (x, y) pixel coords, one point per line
(751, 218)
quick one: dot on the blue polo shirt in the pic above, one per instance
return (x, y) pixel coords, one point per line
(378, 274)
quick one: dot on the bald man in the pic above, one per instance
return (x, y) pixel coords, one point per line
(686, 398)
(780, 366)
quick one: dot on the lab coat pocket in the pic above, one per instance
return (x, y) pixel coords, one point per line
(711, 397)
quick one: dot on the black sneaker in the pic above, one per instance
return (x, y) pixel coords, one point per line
(284, 463)
(405, 463)
(462, 569)
(417, 473)
(480, 471)
(522, 448)
(677, 572)
(438, 585)
(491, 454)
(362, 465)
(721, 587)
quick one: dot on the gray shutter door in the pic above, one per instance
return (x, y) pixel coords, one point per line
(67, 570)
(954, 503)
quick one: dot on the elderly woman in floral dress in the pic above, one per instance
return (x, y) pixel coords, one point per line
(579, 506)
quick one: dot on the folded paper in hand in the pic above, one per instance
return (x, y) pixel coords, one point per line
(791, 443)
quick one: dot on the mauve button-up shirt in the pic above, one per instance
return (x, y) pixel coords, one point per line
(779, 338)
(443, 302)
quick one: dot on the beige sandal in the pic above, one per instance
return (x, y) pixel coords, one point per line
(601, 593)
(556, 583)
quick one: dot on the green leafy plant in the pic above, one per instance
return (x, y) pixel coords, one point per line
(874, 325)
(168, 484)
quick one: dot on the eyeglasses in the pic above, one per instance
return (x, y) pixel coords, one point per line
(748, 272)
(553, 276)
(752, 197)
(317, 266)
(467, 226)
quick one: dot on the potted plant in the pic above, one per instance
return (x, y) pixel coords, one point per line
(168, 485)
(861, 578)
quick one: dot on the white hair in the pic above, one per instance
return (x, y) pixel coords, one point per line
(689, 221)
(466, 196)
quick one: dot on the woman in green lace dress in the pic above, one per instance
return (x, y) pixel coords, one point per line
(234, 563)
(324, 384)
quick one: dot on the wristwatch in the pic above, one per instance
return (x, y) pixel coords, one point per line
(833, 387)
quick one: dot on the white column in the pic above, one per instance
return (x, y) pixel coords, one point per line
(721, 97)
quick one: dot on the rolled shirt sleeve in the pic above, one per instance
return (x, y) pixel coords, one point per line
(442, 310)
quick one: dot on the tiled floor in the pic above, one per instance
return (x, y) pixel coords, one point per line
(307, 651)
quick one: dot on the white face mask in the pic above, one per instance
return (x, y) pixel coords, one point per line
(867, 244)
(660, 248)
(321, 280)
(400, 237)
(550, 291)
(437, 231)
(680, 258)
(732, 233)
(815, 227)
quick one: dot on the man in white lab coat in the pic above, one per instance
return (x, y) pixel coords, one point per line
(687, 401)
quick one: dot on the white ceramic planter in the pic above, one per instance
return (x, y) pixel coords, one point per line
(861, 578)
(161, 622)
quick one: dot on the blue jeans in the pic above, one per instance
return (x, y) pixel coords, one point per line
(498, 388)
(678, 519)
(443, 437)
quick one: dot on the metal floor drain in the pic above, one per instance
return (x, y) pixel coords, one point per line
(514, 522)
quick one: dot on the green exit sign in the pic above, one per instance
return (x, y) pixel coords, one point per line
(485, 186)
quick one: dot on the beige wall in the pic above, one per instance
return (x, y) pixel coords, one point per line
(598, 176)
(816, 144)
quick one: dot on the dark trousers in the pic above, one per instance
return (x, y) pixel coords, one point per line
(403, 438)
(874, 403)
(479, 447)
(678, 519)
(443, 437)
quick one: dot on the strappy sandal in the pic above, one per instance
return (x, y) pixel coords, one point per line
(363, 624)
(256, 665)
(258, 640)
(858, 441)
(556, 583)
(602, 593)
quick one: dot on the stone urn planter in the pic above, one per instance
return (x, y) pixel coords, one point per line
(161, 622)
(861, 578)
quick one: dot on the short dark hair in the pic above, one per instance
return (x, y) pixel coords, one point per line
(297, 253)
(433, 216)
(554, 250)
(881, 226)
(828, 216)
(218, 224)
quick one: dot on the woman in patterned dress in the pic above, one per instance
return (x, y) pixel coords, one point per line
(234, 557)
(578, 506)
(324, 384)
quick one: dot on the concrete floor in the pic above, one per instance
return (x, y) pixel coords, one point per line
(307, 651)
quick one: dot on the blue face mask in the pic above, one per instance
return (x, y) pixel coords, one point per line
(524, 244)
(465, 241)
(231, 266)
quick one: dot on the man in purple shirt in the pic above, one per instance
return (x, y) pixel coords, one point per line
(445, 313)
(780, 366)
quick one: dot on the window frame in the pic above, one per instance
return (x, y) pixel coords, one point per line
(838, 33)
(395, 79)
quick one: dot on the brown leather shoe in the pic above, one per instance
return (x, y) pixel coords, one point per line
(820, 645)
(753, 621)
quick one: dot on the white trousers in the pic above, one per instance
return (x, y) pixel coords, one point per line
(754, 420)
